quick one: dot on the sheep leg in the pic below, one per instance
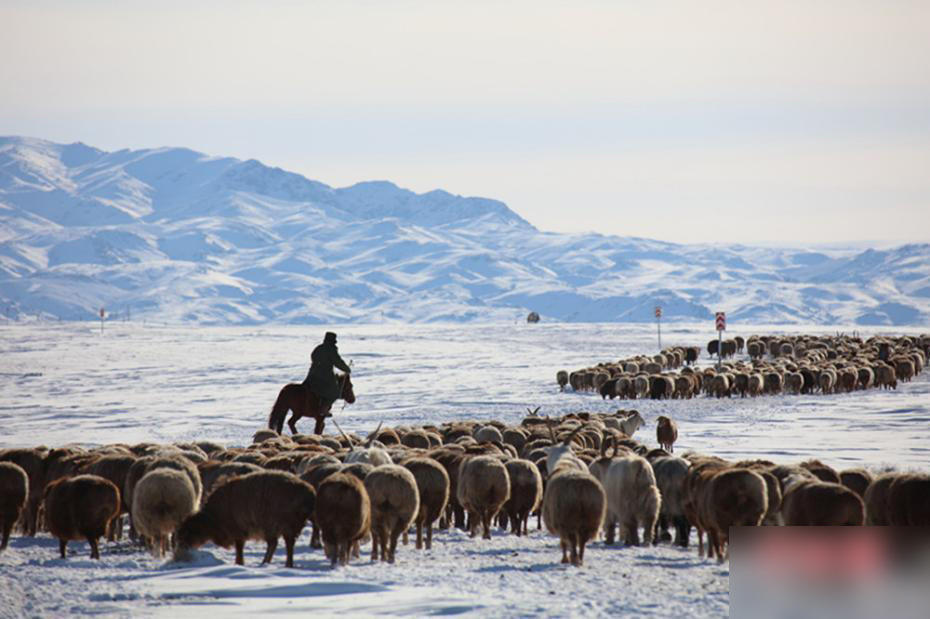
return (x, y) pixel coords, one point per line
(289, 541)
(574, 550)
(581, 544)
(700, 534)
(7, 527)
(610, 531)
(62, 544)
(272, 545)
(385, 544)
(564, 550)
(374, 544)
(315, 538)
(94, 548)
(419, 535)
(486, 519)
(393, 548)
(240, 552)
(429, 535)
(406, 538)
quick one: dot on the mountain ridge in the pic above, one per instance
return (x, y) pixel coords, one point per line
(174, 233)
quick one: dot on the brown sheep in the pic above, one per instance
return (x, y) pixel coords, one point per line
(433, 486)
(666, 433)
(14, 491)
(343, 514)
(909, 500)
(261, 506)
(857, 480)
(824, 504)
(32, 461)
(526, 492)
(733, 497)
(114, 467)
(395, 501)
(483, 488)
(574, 507)
(821, 471)
(561, 377)
(81, 507)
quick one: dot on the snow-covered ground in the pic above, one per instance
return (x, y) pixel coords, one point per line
(67, 382)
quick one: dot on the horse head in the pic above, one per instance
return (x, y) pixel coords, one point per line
(348, 393)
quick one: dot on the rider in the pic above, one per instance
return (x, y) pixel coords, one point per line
(320, 379)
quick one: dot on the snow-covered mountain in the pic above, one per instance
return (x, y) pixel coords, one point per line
(174, 235)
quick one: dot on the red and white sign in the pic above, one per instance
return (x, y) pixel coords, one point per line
(102, 313)
(721, 321)
(658, 312)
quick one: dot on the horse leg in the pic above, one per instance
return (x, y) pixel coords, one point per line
(320, 423)
(292, 422)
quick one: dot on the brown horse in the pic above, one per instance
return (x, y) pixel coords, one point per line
(295, 397)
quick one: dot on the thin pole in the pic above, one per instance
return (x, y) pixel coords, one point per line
(659, 328)
(719, 348)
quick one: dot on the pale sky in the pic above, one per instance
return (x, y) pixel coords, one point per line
(755, 122)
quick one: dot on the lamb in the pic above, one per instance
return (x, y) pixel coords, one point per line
(395, 501)
(574, 506)
(81, 507)
(483, 488)
(733, 497)
(666, 433)
(632, 497)
(433, 488)
(825, 504)
(343, 514)
(670, 474)
(14, 491)
(162, 500)
(261, 506)
(631, 423)
(526, 492)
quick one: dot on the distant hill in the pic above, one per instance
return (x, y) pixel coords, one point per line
(177, 235)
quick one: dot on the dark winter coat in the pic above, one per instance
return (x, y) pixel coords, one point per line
(320, 379)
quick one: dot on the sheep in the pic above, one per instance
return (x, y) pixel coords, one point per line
(488, 434)
(395, 501)
(909, 500)
(114, 467)
(526, 492)
(161, 501)
(373, 454)
(816, 503)
(264, 505)
(32, 461)
(433, 488)
(756, 384)
(557, 453)
(632, 497)
(212, 472)
(670, 474)
(857, 480)
(483, 488)
(343, 514)
(666, 432)
(574, 506)
(561, 377)
(628, 424)
(418, 439)
(14, 492)
(81, 507)
(732, 497)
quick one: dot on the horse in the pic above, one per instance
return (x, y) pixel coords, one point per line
(295, 397)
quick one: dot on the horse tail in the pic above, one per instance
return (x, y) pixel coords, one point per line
(278, 412)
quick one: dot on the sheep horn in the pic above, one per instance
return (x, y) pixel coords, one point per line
(616, 448)
(605, 441)
(344, 435)
(373, 435)
(551, 432)
(568, 439)
(536, 411)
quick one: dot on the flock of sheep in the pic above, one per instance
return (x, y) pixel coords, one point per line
(583, 475)
(785, 364)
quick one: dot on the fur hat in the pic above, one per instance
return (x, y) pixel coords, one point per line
(329, 338)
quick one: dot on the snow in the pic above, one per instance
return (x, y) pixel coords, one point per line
(69, 383)
(72, 213)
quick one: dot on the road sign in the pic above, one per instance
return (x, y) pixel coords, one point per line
(102, 313)
(658, 311)
(721, 321)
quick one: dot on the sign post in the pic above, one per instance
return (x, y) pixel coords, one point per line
(102, 314)
(658, 312)
(721, 321)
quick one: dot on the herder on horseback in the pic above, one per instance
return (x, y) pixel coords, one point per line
(315, 396)
(320, 379)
